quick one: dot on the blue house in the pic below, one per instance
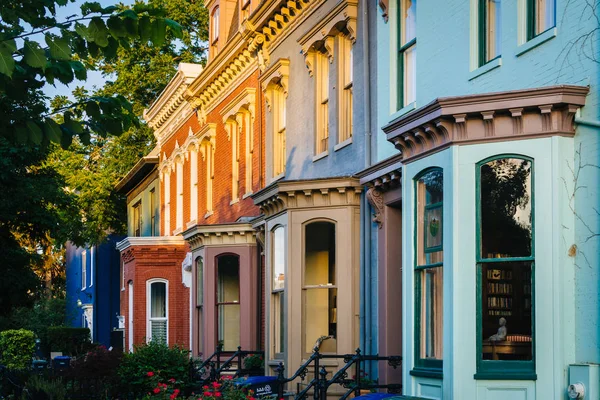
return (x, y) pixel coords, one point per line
(93, 289)
(484, 256)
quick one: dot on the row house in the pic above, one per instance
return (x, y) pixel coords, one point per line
(485, 198)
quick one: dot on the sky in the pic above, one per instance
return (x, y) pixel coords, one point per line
(94, 78)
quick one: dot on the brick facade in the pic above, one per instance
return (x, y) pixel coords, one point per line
(142, 263)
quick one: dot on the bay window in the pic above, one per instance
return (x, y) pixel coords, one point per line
(228, 301)
(429, 276)
(319, 290)
(278, 291)
(505, 267)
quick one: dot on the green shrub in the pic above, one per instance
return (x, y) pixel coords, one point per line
(39, 387)
(165, 363)
(70, 341)
(16, 348)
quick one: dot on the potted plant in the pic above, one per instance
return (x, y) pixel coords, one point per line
(254, 364)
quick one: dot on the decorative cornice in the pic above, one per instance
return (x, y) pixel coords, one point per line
(246, 100)
(171, 98)
(341, 19)
(288, 195)
(220, 235)
(518, 114)
(278, 75)
(131, 241)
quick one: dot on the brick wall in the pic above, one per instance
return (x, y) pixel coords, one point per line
(223, 211)
(143, 263)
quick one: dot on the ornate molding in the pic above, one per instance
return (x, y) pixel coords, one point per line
(342, 19)
(193, 142)
(288, 195)
(375, 199)
(220, 235)
(276, 76)
(487, 117)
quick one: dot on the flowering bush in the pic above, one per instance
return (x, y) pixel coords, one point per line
(225, 389)
(254, 361)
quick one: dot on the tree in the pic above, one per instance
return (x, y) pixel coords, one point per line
(139, 73)
(35, 50)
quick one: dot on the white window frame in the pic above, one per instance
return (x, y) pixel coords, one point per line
(274, 317)
(345, 101)
(167, 187)
(179, 189)
(193, 184)
(83, 270)
(322, 97)
(92, 264)
(149, 320)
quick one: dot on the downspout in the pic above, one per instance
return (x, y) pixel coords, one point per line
(366, 292)
(586, 122)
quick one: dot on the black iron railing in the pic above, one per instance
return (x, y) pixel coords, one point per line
(216, 365)
(319, 385)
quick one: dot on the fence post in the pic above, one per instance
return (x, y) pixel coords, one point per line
(316, 374)
(239, 363)
(322, 384)
(280, 380)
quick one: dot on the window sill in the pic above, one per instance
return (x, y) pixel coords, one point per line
(191, 224)
(246, 195)
(435, 373)
(536, 41)
(343, 144)
(320, 156)
(234, 201)
(208, 214)
(484, 69)
(278, 177)
(404, 110)
(506, 376)
(177, 231)
(275, 362)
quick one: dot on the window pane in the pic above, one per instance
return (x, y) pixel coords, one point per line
(278, 322)
(320, 254)
(545, 15)
(158, 302)
(409, 20)
(429, 217)
(320, 318)
(278, 259)
(159, 331)
(494, 29)
(228, 290)
(506, 311)
(200, 281)
(229, 326)
(410, 76)
(506, 217)
(431, 313)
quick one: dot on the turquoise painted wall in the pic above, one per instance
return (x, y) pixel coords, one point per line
(445, 64)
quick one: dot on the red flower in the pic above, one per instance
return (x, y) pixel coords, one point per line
(216, 385)
(150, 373)
(207, 394)
(156, 390)
(205, 387)
(217, 394)
(172, 380)
(172, 396)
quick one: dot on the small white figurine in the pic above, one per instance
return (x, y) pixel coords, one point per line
(501, 334)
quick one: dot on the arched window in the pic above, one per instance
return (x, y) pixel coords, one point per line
(215, 24)
(429, 275)
(228, 301)
(157, 310)
(319, 286)
(505, 264)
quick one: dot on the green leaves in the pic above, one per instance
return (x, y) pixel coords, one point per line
(98, 32)
(79, 70)
(116, 27)
(159, 32)
(52, 130)
(7, 63)
(145, 29)
(35, 132)
(175, 28)
(34, 55)
(59, 48)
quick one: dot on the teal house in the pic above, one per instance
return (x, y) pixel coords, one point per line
(483, 262)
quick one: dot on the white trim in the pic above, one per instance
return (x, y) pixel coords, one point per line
(319, 156)
(343, 144)
(92, 258)
(536, 41)
(130, 315)
(404, 110)
(485, 68)
(149, 283)
(149, 241)
(83, 270)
